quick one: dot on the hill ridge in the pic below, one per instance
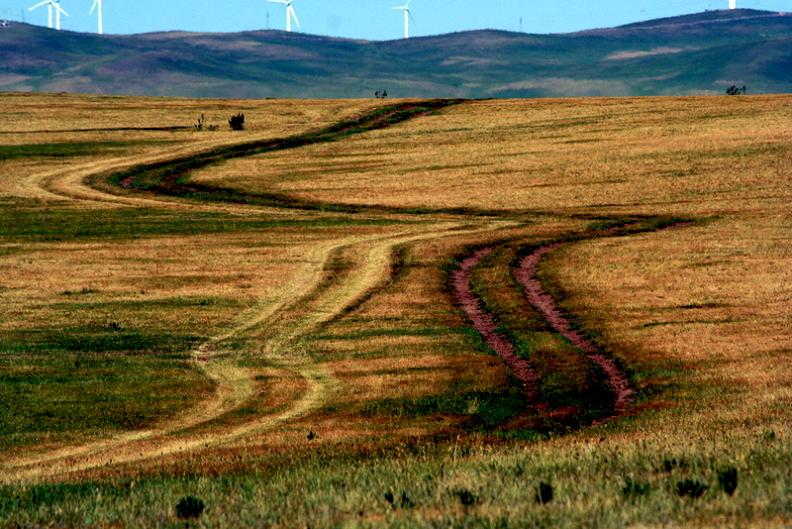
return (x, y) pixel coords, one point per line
(673, 55)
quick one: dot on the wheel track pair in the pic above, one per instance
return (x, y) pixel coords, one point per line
(525, 274)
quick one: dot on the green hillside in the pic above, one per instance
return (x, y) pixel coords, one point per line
(700, 53)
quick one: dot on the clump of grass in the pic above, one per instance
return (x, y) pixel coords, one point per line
(634, 489)
(727, 479)
(84, 291)
(669, 464)
(405, 502)
(691, 488)
(189, 508)
(544, 493)
(466, 497)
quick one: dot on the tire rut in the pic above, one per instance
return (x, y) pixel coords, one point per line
(483, 322)
(525, 274)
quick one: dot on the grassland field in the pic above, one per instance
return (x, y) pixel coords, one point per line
(268, 320)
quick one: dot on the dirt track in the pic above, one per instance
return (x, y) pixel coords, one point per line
(234, 385)
(485, 324)
(546, 305)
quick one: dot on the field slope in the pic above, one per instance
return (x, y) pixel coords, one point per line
(416, 313)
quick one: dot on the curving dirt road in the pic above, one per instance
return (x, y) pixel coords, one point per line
(235, 386)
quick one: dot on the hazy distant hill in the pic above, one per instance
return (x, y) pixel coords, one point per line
(701, 53)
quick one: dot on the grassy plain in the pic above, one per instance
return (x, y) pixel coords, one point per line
(153, 348)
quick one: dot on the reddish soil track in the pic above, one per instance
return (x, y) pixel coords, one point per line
(544, 303)
(485, 324)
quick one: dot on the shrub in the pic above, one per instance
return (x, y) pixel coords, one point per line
(466, 498)
(237, 122)
(199, 123)
(190, 507)
(727, 479)
(544, 493)
(691, 488)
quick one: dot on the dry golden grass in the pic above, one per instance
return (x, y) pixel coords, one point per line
(713, 299)
(344, 324)
(686, 155)
(108, 133)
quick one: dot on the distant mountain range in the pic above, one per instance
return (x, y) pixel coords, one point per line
(693, 54)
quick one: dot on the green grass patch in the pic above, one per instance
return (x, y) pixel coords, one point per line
(62, 395)
(71, 149)
(594, 485)
(53, 225)
(485, 410)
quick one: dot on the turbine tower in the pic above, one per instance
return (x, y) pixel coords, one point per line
(97, 6)
(290, 13)
(732, 4)
(407, 16)
(52, 5)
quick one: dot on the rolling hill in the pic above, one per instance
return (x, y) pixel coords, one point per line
(693, 54)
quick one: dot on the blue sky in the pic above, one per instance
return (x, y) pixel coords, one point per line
(370, 19)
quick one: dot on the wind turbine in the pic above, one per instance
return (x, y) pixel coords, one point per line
(290, 13)
(97, 6)
(52, 5)
(407, 16)
(732, 4)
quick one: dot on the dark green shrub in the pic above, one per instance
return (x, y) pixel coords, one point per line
(690, 488)
(466, 497)
(727, 479)
(237, 122)
(190, 507)
(544, 493)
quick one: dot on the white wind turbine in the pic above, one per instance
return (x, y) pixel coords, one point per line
(732, 4)
(290, 13)
(97, 6)
(407, 16)
(52, 5)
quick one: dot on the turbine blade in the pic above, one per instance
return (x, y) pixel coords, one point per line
(93, 8)
(293, 14)
(45, 2)
(284, 2)
(59, 8)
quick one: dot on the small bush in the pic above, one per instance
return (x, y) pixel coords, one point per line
(190, 507)
(544, 493)
(237, 122)
(727, 479)
(634, 489)
(466, 498)
(200, 122)
(690, 488)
